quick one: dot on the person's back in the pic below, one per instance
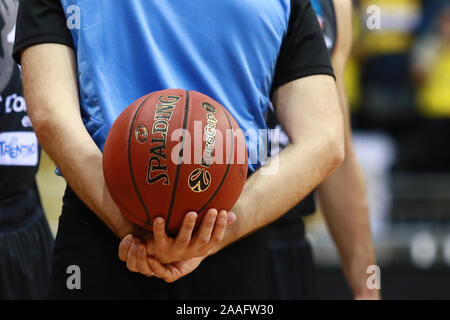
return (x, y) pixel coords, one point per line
(176, 44)
(234, 51)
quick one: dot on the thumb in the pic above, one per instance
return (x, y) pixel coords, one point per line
(125, 246)
(231, 218)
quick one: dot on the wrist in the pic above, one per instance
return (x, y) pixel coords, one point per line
(122, 227)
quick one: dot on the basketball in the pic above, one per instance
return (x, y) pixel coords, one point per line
(172, 152)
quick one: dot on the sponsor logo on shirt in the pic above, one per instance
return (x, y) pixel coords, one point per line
(18, 149)
(14, 103)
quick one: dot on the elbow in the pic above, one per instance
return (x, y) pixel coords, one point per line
(336, 151)
(339, 155)
(39, 120)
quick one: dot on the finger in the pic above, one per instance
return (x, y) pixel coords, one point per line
(231, 218)
(149, 240)
(204, 233)
(185, 234)
(219, 228)
(159, 232)
(132, 258)
(165, 272)
(161, 242)
(125, 246)
(142, 264)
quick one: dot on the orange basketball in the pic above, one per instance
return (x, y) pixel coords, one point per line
(171, 152)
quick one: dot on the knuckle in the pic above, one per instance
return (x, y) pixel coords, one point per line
(159, 251)
(161, 246)
(216, 238)
(177, 255)
(180, 241)
(178, 248)
(189, 223)
(222, 222)
(210, 222)
(203, 240)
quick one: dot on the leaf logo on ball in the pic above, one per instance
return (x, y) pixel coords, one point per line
(199, 180)
(208, 107)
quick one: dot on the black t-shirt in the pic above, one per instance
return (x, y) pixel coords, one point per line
(40, 21)
(303, 51)
(327, 19)
(19, 150)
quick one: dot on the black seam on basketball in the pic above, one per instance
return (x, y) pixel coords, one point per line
(226, 171)
(148, 222)
(125, 208)
(177, 175)
(116, 199)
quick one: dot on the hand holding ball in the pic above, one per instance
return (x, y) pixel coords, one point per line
(172, 152)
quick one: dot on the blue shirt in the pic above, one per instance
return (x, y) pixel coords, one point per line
(225, 49)
(230, 50)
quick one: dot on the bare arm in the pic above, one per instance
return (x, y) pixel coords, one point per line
(343, 195)
(51, 91)
(309, 111)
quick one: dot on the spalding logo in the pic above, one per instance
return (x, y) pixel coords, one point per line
(141, 133)
(199, 180)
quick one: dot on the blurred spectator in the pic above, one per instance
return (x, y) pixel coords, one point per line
(431, 68)
(384, 93)
(383, 50)
(431, 9)
(427, 148)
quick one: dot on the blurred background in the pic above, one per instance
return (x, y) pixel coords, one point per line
(398, 82)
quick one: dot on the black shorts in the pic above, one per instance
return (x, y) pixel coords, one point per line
(292, 269)
(239, 271)
(26, 245)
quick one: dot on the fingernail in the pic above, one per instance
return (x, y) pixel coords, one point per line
(128, 238)
(222, 215)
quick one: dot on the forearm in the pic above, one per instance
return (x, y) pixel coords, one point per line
(52, 96)
(344, 205)
(343, 195)
(316, 149)
(267, 197)
(81, 166)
